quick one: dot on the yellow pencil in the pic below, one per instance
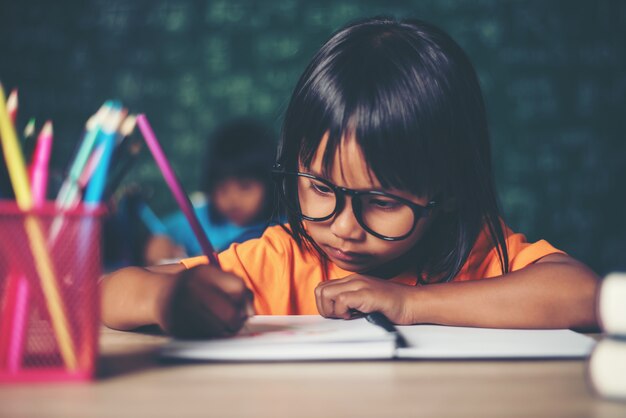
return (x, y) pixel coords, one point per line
(21, 187)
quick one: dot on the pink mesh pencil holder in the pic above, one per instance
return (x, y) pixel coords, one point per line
(50, 263)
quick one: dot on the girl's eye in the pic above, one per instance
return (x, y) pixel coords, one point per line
(321, 188)
(382, 203)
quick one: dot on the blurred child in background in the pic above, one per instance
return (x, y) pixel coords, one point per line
(237, 192)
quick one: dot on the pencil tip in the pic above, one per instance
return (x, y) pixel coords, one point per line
(47, 128)
(12, 100)
(128, 126)
(29, 130)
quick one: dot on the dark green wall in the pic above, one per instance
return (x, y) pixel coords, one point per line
(553, 73)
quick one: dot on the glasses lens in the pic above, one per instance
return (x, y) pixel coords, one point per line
(382, 214)
(317, 199)
(386, 215)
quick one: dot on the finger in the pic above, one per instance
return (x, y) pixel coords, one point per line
(228, 310)
(342, 280)
(192, 321)
(195, 320)
(229, 283)
(249, 303)
(201, 309)
(318, 299)
(325, 301)
(326, 292)
(351, 302)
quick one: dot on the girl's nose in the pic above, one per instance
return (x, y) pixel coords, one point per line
(344, 224)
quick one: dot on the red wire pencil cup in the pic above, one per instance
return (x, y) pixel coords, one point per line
(49, 304)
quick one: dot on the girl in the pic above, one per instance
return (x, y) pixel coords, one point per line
(384, 167)
(239, 188)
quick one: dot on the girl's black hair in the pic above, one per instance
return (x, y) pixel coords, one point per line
(410, 95)
(242, 148)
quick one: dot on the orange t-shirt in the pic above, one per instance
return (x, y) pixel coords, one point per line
(283, 277)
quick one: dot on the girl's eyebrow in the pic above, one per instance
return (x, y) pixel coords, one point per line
(317, 174)
(393, 191)
(377, 189)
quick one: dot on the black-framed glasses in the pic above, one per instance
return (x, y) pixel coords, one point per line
(384, 215)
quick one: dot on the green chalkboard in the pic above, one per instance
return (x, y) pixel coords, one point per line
(553, 74)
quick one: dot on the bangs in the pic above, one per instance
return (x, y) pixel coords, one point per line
(410, 98)
(369, 91)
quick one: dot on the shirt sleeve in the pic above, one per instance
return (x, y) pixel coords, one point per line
(484, 261)
(263, 264)
(523, 253)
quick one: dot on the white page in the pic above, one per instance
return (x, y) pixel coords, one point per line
(441, 342)
(287, 338)
(311, 337)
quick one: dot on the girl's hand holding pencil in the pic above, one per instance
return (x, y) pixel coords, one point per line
(220, 302)
(204, 302)
(200, 302)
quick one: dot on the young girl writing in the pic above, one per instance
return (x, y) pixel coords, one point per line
(384, 167)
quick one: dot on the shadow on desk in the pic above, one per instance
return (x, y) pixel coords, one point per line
(123, 353)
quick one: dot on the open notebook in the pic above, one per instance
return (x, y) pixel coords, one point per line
(297, 338)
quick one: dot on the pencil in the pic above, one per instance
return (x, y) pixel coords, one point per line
(29, 129)
(97, 183)
(175, 187)
(69, 193)
(90, 167)
(43, 264)
(123, 167)
(12, 104)
(19, 319)
(39, 166)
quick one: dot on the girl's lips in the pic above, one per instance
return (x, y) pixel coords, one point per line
(346, 256)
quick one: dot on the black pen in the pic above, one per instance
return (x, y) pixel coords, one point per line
(378, 318)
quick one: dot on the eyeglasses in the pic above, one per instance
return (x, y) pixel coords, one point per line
(388, 217)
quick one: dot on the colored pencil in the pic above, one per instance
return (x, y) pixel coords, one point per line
(19, 320)
(124, 157)
(175, 187)
(90, 167)
(43, 263)
(29, 129)
(69, 193)
(95, 187)
(39, 166)
(12, 104)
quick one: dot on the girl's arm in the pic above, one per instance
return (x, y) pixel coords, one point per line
(200, 302)
(159, 248)
(555, 292)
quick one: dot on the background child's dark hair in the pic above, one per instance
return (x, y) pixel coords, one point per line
(412, 98)
(242, 148)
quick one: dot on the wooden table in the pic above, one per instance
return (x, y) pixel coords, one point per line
(133, 384)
